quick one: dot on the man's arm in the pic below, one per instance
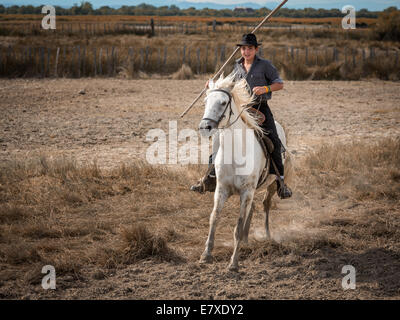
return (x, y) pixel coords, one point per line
(272, 75)
(273, 87)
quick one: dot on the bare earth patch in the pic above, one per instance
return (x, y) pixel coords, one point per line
(75, 193)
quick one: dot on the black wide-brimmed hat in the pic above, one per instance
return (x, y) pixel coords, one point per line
(249, 39)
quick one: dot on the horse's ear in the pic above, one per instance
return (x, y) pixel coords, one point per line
(211, 83)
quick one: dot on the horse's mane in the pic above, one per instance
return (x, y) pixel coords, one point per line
(242, 98)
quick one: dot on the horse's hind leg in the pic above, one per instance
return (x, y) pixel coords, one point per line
(267, 206)
(220, 197)
(246, 199)
(246, 228)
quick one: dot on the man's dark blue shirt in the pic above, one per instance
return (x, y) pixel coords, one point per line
(262, 73)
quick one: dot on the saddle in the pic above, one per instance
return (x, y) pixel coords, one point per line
(268, 147)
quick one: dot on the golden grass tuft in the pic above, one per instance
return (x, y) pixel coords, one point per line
(139, 243)
(184, 73)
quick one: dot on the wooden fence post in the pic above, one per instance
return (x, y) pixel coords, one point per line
(146, 62)
(108, 62)
(205, 60)
(159, 58)
(42, 61)
(64, 60)
(306, 54)
(94, 62)
(1, 60)
(198, 60)
(141, 59)
(84, 61)
(100, 61)
(79, 61)
(56, 64)
(152, 26)
(292, 53)
(131, 62)
(184, 54)
(113, 60)
(216, 57)
(165, 56)
(71, 64)
(223, 53)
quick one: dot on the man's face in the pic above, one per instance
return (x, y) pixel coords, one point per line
(248, 52)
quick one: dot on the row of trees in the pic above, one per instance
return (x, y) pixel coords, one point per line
(85, 8)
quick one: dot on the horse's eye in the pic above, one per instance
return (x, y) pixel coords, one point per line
(223, 103)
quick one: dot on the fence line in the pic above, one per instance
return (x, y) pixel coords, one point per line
(158, 27)
(83, 61)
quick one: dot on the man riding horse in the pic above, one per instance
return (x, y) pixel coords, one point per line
(262, 78)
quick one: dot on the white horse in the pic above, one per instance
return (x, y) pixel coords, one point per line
(227, 113)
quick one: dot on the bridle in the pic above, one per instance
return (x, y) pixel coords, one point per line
(228, 105)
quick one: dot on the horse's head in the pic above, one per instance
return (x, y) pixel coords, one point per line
(217, 108)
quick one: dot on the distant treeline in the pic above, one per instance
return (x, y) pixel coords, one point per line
(86, 8)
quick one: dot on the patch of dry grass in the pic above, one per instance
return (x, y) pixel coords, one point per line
(184, 73)
(360, 170)
(48, 215)
(74, 217)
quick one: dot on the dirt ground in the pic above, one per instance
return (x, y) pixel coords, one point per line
(106, 120)
(109, 122)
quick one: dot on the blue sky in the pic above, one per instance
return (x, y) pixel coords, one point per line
(326, 4)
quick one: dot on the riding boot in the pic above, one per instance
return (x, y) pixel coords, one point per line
(283, 190)
(208, 182)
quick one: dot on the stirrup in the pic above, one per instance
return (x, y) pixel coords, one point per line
(284, 191)
(199, 187)
(208, 183)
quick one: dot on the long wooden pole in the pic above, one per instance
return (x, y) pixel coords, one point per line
(233, 54)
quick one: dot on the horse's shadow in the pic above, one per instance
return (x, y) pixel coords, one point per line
(379, 268)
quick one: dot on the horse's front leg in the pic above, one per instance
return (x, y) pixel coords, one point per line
(246, 199)
(220, 197)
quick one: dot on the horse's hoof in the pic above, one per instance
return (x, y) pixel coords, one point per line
(233, 268)
(206, 259)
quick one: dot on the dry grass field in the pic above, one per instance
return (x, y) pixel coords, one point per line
(18, 18)
(77, 193)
